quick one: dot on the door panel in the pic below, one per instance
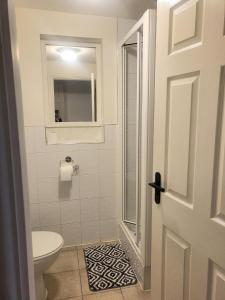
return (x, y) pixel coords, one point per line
(188, 239)
(185, 21)
(216, 282)
(181, 115)
(177, 259)
(218, 199)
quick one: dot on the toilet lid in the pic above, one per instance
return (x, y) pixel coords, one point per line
(45, 243)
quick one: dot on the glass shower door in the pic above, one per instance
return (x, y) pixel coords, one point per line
(131, 105)
(132, 78)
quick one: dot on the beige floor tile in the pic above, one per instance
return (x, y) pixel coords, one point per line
(63, 285)
(66, 261)
(110, 295)
(74, 298)
(84, 282)
(135, 293)
(81, 260)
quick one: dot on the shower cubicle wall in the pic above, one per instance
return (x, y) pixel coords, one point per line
(137, 59)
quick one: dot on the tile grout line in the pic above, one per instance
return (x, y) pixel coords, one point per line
(78, 265)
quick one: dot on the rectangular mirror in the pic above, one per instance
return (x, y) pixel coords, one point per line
(73, 83)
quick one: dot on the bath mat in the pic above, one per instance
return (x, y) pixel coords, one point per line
(108, 267)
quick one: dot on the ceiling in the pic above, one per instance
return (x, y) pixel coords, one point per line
(132, 9)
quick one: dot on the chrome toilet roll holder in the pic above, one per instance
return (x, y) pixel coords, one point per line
(68, 159)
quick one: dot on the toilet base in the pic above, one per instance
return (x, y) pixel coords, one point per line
(41, 291)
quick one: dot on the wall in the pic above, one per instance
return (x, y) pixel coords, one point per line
(31, 24)
(85, 211)
(89, 209)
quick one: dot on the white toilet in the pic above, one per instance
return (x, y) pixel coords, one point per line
(46, 247)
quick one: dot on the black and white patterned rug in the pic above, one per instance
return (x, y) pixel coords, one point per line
(108, 267)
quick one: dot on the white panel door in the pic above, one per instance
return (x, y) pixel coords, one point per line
(188, 242)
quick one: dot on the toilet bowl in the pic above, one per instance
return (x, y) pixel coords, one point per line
(46, 247)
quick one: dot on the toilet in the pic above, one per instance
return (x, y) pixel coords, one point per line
(46, 248)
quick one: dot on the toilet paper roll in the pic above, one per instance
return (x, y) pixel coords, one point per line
(66, 171)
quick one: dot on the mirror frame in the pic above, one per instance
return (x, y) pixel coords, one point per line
(48, 81)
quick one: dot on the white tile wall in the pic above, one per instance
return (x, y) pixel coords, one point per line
(48, 190)
(49, 214)
(90, 232)
(35, 215)
(89, 210)
(108, 230)
(84, 210)
(72, 234)
(70, 212)
(107, 208)
(89, 186)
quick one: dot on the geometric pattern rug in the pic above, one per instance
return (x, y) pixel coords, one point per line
(108, 267)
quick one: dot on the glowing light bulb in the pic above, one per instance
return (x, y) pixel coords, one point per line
(68, 55)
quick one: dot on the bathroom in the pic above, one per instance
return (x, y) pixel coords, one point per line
(112, 165)
(85, 208)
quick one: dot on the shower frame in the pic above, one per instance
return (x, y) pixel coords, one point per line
(144, 150)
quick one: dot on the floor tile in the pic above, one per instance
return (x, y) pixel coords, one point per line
(66, 261)
(74, 298)
(135, 293)
(110, 295)
(63, 285)
(85, 285)
(81, 260)
(84, 282)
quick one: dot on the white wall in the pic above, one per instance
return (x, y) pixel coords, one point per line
(88, 210)
(31, 24)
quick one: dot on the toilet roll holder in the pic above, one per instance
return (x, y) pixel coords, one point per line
(68, 159)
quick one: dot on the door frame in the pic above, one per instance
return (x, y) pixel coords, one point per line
(17, 279)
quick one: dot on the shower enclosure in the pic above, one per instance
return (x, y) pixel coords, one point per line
(137, 51)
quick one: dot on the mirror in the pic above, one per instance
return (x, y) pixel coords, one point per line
(72, 82)
(73, 101)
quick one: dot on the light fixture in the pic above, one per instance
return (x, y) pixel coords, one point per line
(68, 54)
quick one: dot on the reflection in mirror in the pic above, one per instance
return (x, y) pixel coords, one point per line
(72, 80)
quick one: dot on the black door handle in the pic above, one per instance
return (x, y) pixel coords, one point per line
(157, 186)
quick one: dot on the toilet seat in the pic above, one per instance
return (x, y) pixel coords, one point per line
(45, 243)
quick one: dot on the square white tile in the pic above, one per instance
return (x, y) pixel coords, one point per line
(50, 214)
(108, 208)
(89, 210)
(107, 185)
(31, 161)
(90, 232)
(29, 139)
(70, 211)
(109, 230)
(48, 190)
(47, 165)
(89, 186)
(75, 187)
(32, 190)
(107, 161)
(88, 161)
(53, 228)
(71, 234)
(34, 215)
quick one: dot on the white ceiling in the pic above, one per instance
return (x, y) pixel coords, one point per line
(132, 9)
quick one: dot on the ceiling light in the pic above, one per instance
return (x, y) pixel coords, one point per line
(68, 55)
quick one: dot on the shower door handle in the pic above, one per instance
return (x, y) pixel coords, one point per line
(157, 186)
